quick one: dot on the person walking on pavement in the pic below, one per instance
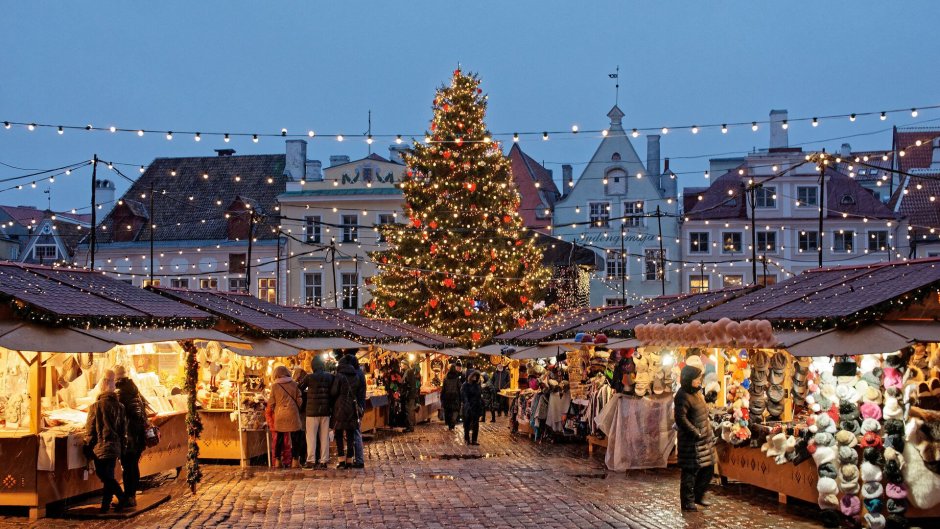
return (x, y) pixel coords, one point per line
(298, 439)
(106, 439)
(317, 387)
(135, 409)
(345, 411)
(500, 382)
(450, 397)
(411, 386)
(696, 439)
(284, 404)
(471, 396)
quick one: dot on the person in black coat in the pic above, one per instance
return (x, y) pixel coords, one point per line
(696, 439)
(345, 411)
(135, 409)
(500, 382)
(319, 407)
(450, 397)
(472, 398)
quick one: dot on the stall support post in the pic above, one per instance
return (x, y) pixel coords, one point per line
(35, 390)
(720, 367)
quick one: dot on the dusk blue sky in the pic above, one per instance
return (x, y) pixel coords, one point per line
(258, 67)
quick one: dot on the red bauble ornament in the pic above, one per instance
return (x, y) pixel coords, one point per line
(523, 299)
(507, 219)
(466, 256)
(384, 259)
(446, 155)
(433, 126)
(433, 248)
(459, 141)
(446, 107)
(472, 186)
(416, 221)
(521, 322)
(460, 125)
(433, 224)
(391, 303)
(518, 243)
(492, 268)
(479, 90)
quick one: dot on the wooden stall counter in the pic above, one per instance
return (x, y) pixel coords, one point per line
(751, 466)
(23, 485)
(220, 438)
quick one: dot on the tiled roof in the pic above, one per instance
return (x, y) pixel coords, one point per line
(869, 174)
(350, 191)
(420, 335)
(690, 197)
(235, 311)
(178, 218)
(25, 215)
(843, 195)
(914, 156)
(557, 324)
(539, 174)
(828, 294)
(558, 252)
(536, 187)
(663, 309)
(76, 296)
(922, 213)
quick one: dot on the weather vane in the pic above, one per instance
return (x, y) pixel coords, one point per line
(616, 75)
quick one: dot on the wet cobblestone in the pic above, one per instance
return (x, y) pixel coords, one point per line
(430, 479)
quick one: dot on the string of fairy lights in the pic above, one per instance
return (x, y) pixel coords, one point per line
(66, 170)
(545, 134)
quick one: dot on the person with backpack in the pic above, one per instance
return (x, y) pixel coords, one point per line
(317, 387)
(135, 409)
(284, 404)
(346, 411)
(450, 397)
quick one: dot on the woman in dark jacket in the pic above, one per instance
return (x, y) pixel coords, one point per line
(696, 439)
(319, 407)
(472, 398)
(345, 411)
(135, 409)
(450, 397)
(490, 397)
(106, 435)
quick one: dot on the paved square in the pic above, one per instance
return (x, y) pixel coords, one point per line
(429, 479)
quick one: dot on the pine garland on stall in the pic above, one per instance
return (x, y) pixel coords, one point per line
(193, 421)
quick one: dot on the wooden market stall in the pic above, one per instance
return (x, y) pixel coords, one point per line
(871, 318)
(59, 330)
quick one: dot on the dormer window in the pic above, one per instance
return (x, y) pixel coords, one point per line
(615, 157)
(847, 200)
(129, 217)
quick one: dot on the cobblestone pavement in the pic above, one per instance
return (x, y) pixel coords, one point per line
(430, 479)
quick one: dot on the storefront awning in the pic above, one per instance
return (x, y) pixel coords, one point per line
(494, 349)
(22, 336)
(539, 351)
(267, 348)
(455, 351)
(320, 344)
(871, 339)
(407, 347)
(133, 336)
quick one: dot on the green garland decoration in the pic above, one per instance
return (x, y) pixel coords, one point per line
(193, 420)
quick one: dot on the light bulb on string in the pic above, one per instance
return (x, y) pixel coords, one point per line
(68, 172)
(694, 129)
(226, 138)
(604, 133)
(31, 127)
(852, 117)
(635, 133)
(545, 136)
(574, 129)
(369, 139)
(169, 135)
(197, 137)
(7, 125)
(254, 138)
(754, 126)
(283, 132)
(815, 122)
(913, 112)
(515, 137)
(724, 128)
(141, 169)
(61, 130)
(784, 125)
(884, 116)
(398, 139)
(665, 130)
(140, 132)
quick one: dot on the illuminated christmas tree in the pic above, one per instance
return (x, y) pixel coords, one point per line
(463, 265)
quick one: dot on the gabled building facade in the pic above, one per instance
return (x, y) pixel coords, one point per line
(720, 245)
(537, 189)
(918, 195)
(30, 235)
(612, 209)
(203, 211)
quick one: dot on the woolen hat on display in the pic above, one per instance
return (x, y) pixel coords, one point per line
(848, 411)
(827, 470)
(894, 427)
(895, 442)
(850, 505)
(848, 479)
(874, 455)
(896, 491)
(872, 489)
(892, 472)
(871, 474)
(759, 360)
(846, 393)
(873, 394)
(824, 423)
(873, 505)
(853, 427)
(874, 521)
(828, 501)
(871, 440)
(776, 445)
(870, 425)
(895, 455)
(824, 439)
(848, 455)
(893, 409)
(776, 377)
(896, 521)
(894, 506)
(870, 410)
(892, 378)
(846, 438)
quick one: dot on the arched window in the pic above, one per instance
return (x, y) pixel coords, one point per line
(847, 200)
(615, 157)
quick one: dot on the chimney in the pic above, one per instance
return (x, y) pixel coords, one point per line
(314, 170)
(779, 138)
(652, 155)
(567, 180)
(295, 165)
(395, 153)
(225, 152)
(668, 181)
(935, 157)
(846, 150)
(104, 195)
(338, 159)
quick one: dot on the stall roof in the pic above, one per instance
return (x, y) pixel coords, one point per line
(550, 326)
(420, 335)
(668, 309)
(68, 296)
(830, 294)
(875, 338)
(237, 311)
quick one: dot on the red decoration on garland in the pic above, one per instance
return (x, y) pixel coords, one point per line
(433, 126)
(446, 154)
(449, 283)
(466, 312)
(492, 268)
(433, 248)
(446, 107)
(507, 219)
(416, 221)
(472, 186)
(433, 224)
(521, 322)
(459, 142)
(433, 303)
(523, 299)
(475, 335)
(391, 303)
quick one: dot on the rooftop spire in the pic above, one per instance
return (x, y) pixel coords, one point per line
(615, 115)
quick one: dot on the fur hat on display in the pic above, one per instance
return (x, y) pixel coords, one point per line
(874, 456)
(828, 493)
(870, 425)
(874, 505)
(896, 491)
(895, 442)
(823, 455)
(896, 521)
(824, 439)
(846, 438)
(827, 470)
(848, 455)
(824, 423)
(848, 411)
(848, 479)
(871, 440)
(871, 474)
(892, 378)
(894, 506)
(893, 409)
(870, 410)
(850, 505)
(895, 455)
(892, 472)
